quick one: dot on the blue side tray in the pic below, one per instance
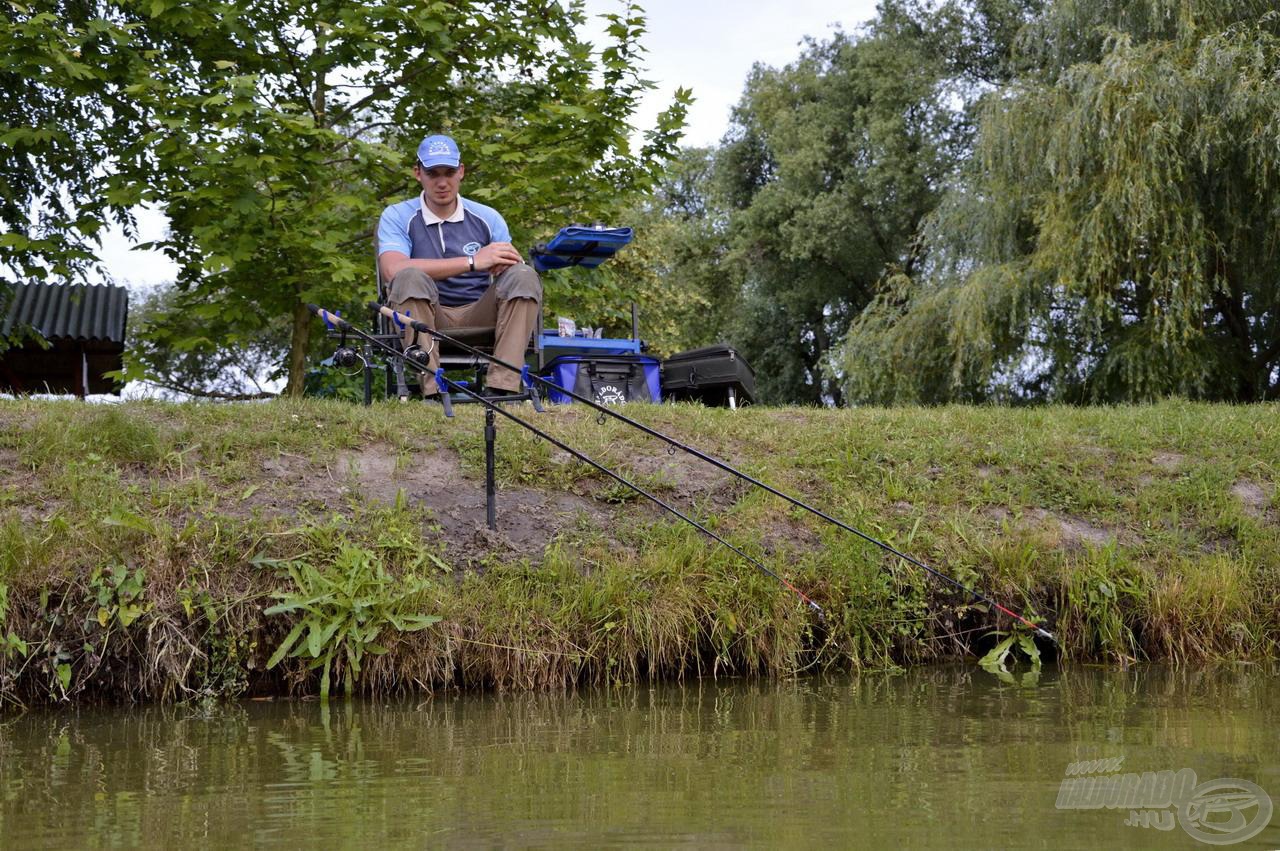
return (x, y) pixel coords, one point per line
(575, 245)
(554, 345)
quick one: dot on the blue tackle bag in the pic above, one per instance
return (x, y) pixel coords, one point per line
(606, 380)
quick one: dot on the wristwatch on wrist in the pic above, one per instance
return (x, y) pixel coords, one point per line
(471, 258)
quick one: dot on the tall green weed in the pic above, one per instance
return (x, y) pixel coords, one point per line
(342, 610)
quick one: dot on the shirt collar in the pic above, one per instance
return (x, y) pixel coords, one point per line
(431, 218)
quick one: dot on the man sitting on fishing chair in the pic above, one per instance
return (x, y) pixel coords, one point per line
(451, 264)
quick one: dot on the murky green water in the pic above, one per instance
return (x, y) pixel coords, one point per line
(935, 758)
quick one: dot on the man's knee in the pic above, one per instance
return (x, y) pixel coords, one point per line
(519, 281)
(413, 283)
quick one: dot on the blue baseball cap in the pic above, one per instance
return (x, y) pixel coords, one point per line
(439, 150)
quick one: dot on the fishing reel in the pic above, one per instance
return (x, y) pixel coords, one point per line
(418, 355)
(346, 357)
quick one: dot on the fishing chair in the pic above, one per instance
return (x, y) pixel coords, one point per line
(576, 245)
(404, 385)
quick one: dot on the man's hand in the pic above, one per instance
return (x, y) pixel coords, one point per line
(497, 257)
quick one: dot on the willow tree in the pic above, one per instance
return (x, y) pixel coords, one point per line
(1116, 234)
(831, 166)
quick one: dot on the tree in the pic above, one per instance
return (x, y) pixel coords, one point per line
(272, 133)
(54, 197)
(675, 268)
(1114, 238)
(167, 340)
(53, 200)
(831, 167)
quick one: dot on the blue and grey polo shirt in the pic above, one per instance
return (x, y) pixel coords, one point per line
(412, 229)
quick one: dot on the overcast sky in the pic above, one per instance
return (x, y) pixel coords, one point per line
(706, 45)
(710, 45)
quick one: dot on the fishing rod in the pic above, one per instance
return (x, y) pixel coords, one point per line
(404, 320)
(447, 383)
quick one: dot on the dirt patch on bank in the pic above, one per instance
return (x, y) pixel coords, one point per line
(687, 480)
(1076, 533)
(1252, 497)
(527, 519)
(1171, 461)
(1070, 532)
(288, 483)
(789, 535)
(19, 487)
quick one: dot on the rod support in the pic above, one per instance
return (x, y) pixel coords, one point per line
(490, 492)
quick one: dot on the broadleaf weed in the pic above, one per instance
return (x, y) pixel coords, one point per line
(343, 607)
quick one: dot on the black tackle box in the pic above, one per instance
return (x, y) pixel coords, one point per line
(714, 375)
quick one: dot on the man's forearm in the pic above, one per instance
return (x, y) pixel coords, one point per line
(393, 262)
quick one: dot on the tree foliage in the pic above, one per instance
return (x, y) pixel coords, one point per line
(676, 267)
(272, 133)
(1115, 236)
(54, 144)
(831, 166)
(170, 345)
(57, 86)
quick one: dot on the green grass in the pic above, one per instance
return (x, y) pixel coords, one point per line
(1136, 533)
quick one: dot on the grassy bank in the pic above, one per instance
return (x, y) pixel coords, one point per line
(154, 551)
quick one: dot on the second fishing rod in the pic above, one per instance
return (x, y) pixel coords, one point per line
(404, 320)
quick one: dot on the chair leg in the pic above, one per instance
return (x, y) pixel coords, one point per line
(402, 388)
(538, 356)
(368, 374)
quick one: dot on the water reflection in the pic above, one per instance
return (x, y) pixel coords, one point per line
(943, 757)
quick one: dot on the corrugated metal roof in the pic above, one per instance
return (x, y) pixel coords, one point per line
(75, 312)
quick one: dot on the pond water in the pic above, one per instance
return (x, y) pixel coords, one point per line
(947, 757)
